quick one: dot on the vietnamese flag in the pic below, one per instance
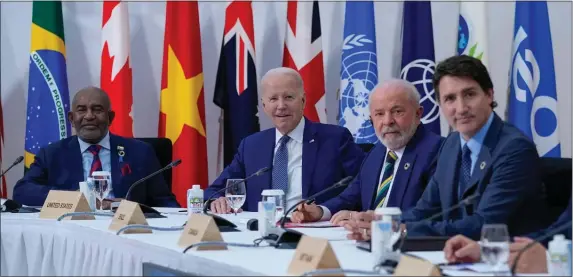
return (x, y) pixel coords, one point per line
(182, 108)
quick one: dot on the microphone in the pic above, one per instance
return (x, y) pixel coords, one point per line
(144, 208)
(288, 238)
(220, 221)
(539, 239)
(17, 161)
(466, 201)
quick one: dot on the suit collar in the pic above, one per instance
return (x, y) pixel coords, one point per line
(309, 149)
(372, 177)
(405, 168)
(483, 161)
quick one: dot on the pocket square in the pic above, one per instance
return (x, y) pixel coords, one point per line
(125, 170)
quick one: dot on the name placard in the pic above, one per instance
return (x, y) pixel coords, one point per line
(129, 213)
(312, 254)
(60, 202)
(201, 228)
(412, 266)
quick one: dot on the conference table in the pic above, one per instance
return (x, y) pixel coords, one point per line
(34, 246)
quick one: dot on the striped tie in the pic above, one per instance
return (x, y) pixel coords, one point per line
(96, 163)
(383, 187)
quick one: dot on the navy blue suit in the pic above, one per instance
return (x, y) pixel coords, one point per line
(507, 176)
(409, 183)
(328, 155)
(58, 166)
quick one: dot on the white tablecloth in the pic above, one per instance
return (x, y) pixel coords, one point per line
(32, 246)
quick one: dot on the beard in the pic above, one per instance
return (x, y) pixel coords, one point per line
(399, 141)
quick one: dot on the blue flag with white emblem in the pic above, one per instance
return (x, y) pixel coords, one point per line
(359, 71)
(533, 98)
(418, 63)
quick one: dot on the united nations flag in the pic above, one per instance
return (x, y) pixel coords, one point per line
(359, 72)
(48, 95)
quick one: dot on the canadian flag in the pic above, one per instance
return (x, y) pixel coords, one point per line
(303, 52)
(115, 65)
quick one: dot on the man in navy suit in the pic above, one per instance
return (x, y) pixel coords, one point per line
(63, 164)
(485, 155)
(306, 157)
(407, 151)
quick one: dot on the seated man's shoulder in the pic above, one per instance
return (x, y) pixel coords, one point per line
(510, 134)
(330, 130)
(58, 145)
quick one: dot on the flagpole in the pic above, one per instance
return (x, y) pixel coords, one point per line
(220, 145)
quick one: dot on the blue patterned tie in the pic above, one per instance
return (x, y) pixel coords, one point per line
(465, 170)
(280, 166)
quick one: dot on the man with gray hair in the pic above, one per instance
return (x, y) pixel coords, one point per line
(306, 157)
(396, 171)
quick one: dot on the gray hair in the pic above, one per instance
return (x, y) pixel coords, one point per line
(412, 91)
(285, 71)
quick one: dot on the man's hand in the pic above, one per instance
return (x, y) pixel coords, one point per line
(359, 225)
(462, 249)
(307, 213)
(533, 260)
(341, 217)
(221, 206)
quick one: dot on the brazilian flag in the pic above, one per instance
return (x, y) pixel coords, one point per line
(48, 94)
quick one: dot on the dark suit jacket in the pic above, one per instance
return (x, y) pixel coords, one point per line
(507, 176)
(328, 155)
(564, 218)
(416, 167)
(58, 166)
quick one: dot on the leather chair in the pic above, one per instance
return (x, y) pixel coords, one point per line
(164, 151)
(556, 178)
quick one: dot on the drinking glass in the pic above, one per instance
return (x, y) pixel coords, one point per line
(495, 247)
(236, 193)
(101, 181)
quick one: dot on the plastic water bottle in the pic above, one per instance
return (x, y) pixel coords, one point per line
(195, 200)
(559, 252)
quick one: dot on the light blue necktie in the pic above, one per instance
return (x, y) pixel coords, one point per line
(280, 167)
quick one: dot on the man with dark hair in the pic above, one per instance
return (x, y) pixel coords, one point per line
(63, 164)
(484, 156)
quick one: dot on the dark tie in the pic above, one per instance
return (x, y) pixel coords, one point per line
(387, 178)
(96, 163)
(280, 166)
(465, 170)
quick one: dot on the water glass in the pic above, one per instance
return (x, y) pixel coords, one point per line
(236, 193)
(278, 195)
(495, 247)
(101, 182)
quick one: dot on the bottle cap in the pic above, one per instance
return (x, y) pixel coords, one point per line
(196, 187)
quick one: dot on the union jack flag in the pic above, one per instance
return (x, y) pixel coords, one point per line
(236, 85)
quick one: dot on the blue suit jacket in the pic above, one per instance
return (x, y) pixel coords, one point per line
(507, 176)
(58, 166)
(409, 183)
(328, 155)
(564, 218)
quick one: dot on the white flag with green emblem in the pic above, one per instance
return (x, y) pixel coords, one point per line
(472, 35)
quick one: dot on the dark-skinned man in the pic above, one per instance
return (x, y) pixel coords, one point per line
(63, 164)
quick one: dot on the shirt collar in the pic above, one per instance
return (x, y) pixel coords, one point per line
(296, 134)
(398, 152)
(104, 142)
(475, 143)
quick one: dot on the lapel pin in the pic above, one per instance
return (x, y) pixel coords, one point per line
(406, 166)
(482, 165)
(120, 153)
(311, 141)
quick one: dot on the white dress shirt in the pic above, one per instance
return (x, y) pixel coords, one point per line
(294, 165)
(326, 215)
(104, 157)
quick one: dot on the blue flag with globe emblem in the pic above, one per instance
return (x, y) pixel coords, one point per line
(418, 63)
(359, 71)
(533, 95)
